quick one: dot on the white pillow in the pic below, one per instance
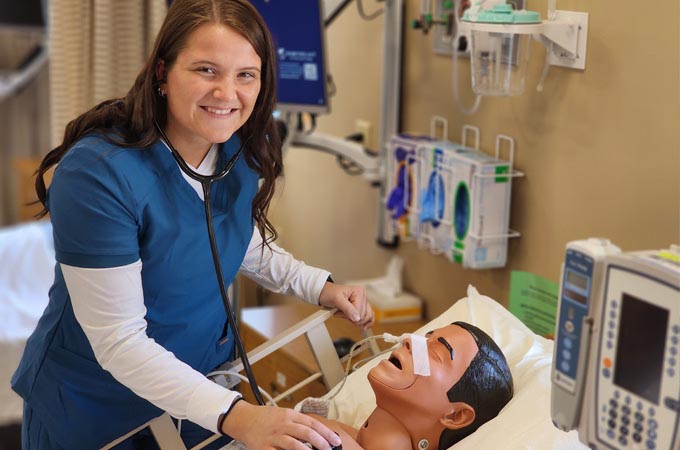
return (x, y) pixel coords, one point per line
(27, 255)
(525, 421)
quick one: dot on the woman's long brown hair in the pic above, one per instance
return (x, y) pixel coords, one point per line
(128, 121)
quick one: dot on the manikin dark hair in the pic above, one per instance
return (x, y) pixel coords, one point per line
(128, 121)
(486, 385)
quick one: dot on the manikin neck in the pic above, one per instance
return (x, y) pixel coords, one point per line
(383, 430)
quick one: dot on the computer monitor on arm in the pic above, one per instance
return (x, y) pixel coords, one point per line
(24, 34)
(298, 31)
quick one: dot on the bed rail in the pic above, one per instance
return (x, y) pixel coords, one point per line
(314, 329)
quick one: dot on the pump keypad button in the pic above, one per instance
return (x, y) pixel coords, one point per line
(672, 403)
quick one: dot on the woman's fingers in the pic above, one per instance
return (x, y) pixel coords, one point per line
(328, 435)
(350, 301)
(267, 427)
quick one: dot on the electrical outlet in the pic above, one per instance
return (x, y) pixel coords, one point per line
(281, 379)
(364, 128)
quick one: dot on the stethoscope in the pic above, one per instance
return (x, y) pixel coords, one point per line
(206, 181)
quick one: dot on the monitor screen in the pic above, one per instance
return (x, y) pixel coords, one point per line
(298, 32)
(24, 13)
(641, 347)
(22, 35)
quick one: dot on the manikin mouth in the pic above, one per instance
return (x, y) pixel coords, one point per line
(399, 378)
(396, 362)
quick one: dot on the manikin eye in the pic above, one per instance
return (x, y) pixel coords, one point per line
(447, 345)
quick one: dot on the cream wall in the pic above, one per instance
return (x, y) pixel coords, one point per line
(600, 150)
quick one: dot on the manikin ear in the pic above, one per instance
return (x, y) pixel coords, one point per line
(160, 71)
(459, 415)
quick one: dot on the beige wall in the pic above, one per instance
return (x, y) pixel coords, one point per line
(600, 150)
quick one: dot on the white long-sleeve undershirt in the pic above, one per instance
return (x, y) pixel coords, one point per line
(109, 306)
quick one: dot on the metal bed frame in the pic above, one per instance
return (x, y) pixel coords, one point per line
(330, 370)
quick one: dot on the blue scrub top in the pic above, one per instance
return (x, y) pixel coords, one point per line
(111, 206)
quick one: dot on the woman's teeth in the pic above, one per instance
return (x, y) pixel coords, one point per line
(219, 112)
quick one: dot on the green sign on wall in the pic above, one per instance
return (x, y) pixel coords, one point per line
(533, 300)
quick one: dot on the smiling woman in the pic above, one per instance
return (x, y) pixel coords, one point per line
(135, 318)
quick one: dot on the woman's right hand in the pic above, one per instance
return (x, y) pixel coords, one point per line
(272, 428)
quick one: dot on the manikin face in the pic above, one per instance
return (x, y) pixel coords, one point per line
(211, 88)
(403, 394)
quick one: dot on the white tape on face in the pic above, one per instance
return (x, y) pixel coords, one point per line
(421, 358)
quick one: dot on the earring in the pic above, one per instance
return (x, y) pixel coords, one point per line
(161, 92)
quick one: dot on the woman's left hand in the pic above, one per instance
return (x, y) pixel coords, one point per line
(350, 301)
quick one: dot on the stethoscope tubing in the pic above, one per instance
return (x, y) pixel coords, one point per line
(192, 173)
(206, 181)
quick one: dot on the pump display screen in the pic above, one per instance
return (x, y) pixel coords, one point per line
(640, 348)
(577, 280)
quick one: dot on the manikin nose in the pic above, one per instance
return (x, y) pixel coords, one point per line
(417, 346)
(418, 351)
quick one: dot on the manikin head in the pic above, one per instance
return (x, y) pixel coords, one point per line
(469, 383)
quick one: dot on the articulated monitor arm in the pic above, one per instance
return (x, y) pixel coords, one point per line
(12, 82)
(348, 152)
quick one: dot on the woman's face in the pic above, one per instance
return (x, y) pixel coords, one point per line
(211, 88)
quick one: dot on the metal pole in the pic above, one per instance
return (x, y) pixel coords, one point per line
(390, 106)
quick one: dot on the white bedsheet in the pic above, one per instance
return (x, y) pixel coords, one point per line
(524, 424)
(27, 258)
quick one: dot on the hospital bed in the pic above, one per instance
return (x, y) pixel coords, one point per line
(525, 421)
(27, 255)
(27, 272)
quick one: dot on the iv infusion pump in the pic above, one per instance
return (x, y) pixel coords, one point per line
(616, 363)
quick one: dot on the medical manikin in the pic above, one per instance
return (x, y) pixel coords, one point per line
(469, 383)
